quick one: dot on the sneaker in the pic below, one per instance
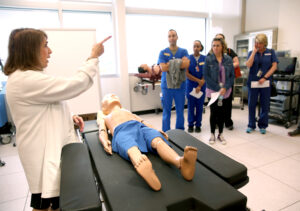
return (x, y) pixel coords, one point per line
(249, 130)
(230, 127)
(221, 139)
(198, 129)
(212, 139)
(294, 132)
(191, 129)
(262, 130)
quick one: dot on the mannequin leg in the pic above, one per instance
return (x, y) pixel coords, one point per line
(186, 163)
(144, 168)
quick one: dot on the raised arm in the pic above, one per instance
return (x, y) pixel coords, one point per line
(250, 61)
(103, 135)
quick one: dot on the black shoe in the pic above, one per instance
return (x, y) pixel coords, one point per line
(294, 132)
(230, 127)
(198, 129)
(191, 129)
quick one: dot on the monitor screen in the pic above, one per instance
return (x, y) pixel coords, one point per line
(286, 65)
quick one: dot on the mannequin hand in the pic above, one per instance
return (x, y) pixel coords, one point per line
(98, 48)
(107, 147)
(79, 121)
(164, 134)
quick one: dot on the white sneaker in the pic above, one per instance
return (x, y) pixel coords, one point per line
(212, 139)
(221, 139)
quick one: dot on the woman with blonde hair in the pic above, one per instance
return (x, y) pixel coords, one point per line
(262, 63)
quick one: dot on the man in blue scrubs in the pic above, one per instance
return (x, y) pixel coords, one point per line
(168, 94)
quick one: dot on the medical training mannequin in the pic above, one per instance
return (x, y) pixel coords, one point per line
(132, 136)
(152, 70)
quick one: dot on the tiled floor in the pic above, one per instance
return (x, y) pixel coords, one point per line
(273, 162)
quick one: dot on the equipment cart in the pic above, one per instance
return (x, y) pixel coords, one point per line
(238, 95)
(285, 106)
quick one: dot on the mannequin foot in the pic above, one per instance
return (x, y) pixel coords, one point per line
(188, 162)
(145, 170)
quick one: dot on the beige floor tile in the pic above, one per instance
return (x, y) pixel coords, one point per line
(279, 143)
(254, 154)
(13, 186)
(296, 157)
(286, 170)
(293, 207)
(265, 193)
(12, 165)
(7, 150)
(13, 205)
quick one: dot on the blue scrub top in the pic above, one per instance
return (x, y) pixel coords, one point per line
(164, 57)
(193, 71)
(261, 62)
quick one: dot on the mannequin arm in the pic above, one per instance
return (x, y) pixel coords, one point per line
(103, 135)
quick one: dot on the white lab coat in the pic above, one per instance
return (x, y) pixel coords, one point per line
(43, 121)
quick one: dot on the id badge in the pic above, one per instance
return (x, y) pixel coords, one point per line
(259, 73)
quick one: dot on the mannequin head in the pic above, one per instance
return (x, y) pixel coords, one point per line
(109, 102)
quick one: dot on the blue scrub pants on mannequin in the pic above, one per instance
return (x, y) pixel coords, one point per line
(264, 98)
(167, 99)
(195, 109)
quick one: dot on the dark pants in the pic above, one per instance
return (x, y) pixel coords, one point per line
(217, 115)
(228, 110)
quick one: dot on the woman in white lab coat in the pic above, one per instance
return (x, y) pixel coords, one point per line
(42, 118)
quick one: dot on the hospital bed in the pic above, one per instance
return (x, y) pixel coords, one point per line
(88, 171)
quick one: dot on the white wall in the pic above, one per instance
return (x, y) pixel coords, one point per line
(288, 27)
(261, 14)
(283, 14)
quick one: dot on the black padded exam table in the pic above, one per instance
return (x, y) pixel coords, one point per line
(213, 187)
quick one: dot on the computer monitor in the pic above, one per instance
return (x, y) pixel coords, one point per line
(286, 65)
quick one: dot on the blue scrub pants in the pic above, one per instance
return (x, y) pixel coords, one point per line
(264, 99)
(195, 109)
(167, 98)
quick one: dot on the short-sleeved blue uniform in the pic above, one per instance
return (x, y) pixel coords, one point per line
(262, 62)
(134, 133)
(195, 105)
(169, 94)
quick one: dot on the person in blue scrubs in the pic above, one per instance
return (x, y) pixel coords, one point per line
(262, 63)
(168, 94)
(195, 80)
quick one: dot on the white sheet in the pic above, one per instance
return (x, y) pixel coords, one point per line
(255, 84)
